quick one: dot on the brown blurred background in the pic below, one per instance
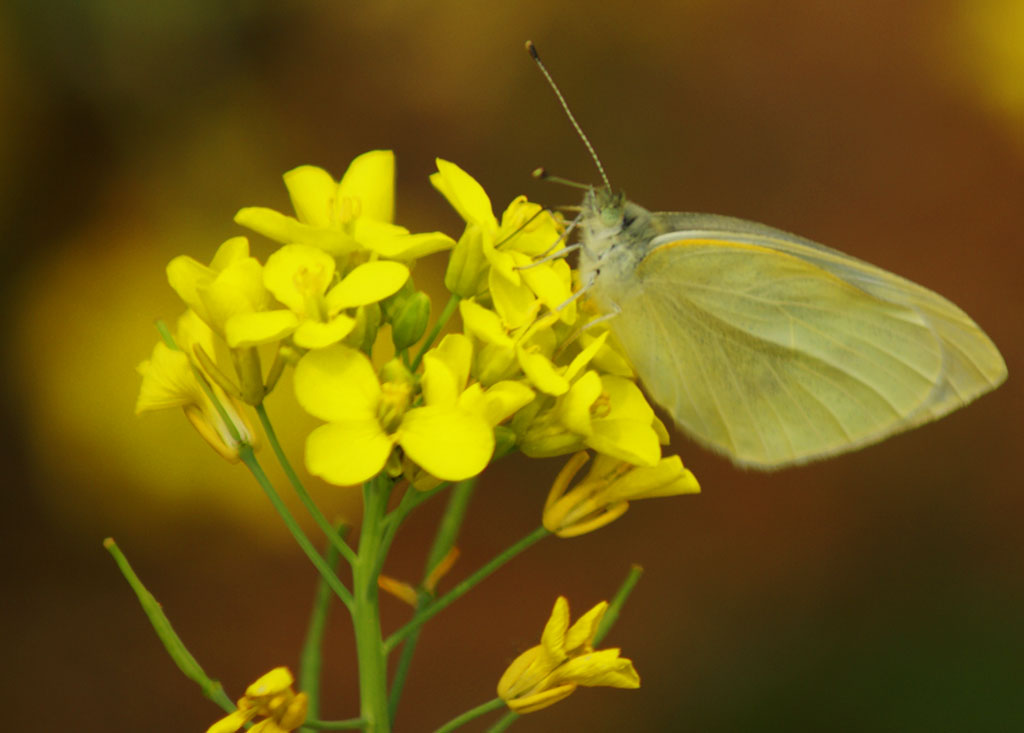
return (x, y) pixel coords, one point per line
(881, 591)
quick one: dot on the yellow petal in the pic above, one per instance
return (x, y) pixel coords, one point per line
(449, 443)
(298, 273)
(581, 633)
(410, 246)
(516, 679)
(371, 179)
(513, 301)
(574, 409)
(237, 289)
(439, 385)
(496, 363)
(502, 400)
(483, 324)
(540, 700)
(544, 280)
(286, 229)
(626, 400)
(629, 440)
(315, 335)
(276, 680)
(252, 329)
(232, 250)
(541, 372)
(167, 380)
(337, 383)
(608, 359)
(312, 191)
(368, 283)
(466, 263)
(230, 723)
(583, 358)
(604, 668)
(465, 195)
(553, 637)
(185, 275)
(667, 478)
(349, 452)
(456, 350)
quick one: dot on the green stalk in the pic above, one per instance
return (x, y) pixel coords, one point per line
(336, 541)
(464, 587)
(446, 314)
(411, 499)
(621, 595)
(508, 719)
(373, 695)
(444, 541)
(471, 715)
(311, 660)
(351, 724)
(175, 647)
(326, 572)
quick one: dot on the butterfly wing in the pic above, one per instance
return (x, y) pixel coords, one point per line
(775, 350)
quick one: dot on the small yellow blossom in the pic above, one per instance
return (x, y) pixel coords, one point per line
(270, 696)
(451, 435)
(301, 276)
(499, 257)
(227, 293)
(604, 494)
(604, 412)
(169, 380)
(564, 660)
(353, 215)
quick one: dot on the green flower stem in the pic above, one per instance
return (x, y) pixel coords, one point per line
(446, 314)
(326, 572)
(444, 541)
(411, 499)
(165, 334)
(350, 724)
(373, 695)
(211, 688)
(311, 660)
(462, 588)
(336, 541)
(508, 719)
(621, 595)
(470, 715)
(451, 523)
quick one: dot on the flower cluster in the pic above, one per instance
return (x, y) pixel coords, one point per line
(523, 371)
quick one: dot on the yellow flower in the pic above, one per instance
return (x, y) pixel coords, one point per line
(607, 413)
(169, 380)
(270, 696)
(451, 435)
(604, 494)
(493, 254)
(228, 292)
(564, 660)
(353, 215)
(299, 277)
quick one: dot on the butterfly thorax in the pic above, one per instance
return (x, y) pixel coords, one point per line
(614, 235)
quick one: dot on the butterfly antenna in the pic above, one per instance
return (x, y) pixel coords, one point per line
(579, 130)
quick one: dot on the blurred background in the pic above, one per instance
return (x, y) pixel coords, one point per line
(879, 591)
